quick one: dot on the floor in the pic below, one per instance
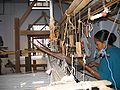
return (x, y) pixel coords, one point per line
(31, 81)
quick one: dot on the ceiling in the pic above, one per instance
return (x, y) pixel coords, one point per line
(26, 1)
(14, 1)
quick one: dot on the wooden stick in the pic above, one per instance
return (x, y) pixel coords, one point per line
(25, 15)
(17, 44)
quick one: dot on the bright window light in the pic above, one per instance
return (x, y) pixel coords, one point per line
(41, 4)
(39, 27)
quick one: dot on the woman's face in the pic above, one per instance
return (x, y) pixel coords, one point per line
(99, 45)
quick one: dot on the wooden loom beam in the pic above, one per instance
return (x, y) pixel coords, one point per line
(35, 33)
(60, 56)
(75, 7)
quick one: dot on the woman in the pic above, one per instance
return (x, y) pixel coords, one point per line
(109, 66)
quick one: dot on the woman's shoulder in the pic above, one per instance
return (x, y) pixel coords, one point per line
(114, 49)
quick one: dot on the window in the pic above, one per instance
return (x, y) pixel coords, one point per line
(40, 4)
(40, 27)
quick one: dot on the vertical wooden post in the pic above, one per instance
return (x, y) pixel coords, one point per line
(34, 65)
(29, 54)
(0, 66)
(27, 64)
(17, 44)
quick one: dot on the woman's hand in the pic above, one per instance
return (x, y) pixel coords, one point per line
(93, 64)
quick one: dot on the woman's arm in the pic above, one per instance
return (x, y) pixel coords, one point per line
(93, 64)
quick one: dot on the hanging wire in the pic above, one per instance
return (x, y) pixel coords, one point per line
(103, 3)
(112, 29)
(104, 50)
(75, 41)
(75, 28)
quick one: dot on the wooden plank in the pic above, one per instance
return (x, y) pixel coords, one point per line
(35, 32)
(27, 12)
(17, 45)
(3, 48)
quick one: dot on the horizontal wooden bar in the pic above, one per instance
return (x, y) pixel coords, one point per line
(35, 33)
(3, 48)
(21, 52)
(36, 65)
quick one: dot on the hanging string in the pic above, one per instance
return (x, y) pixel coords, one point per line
(84, 60)
(72, 64)
(75, 41)
(104, 50)
(112, 29)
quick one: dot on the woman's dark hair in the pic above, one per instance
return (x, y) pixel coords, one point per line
(102, 36)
